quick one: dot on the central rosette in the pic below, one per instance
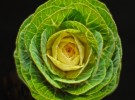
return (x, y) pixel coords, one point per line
(66, 51)
(69, 49)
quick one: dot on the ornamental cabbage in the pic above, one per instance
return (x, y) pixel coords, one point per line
(69, 50)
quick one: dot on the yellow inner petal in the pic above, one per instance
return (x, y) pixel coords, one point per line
(56, 43)
(66, 60)
(69, 50)
(64, 67)
(81, 49)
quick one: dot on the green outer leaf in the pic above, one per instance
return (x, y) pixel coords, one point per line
(110, 46)
(17, 61)
(43, 87)
(106, 80)
(65, 3)
(114, 82)
(111, 24)
(99, 40)
(16, 56)
(25, 62)
(100, 94)
(40, 65)
(91, 82)
(45, 35)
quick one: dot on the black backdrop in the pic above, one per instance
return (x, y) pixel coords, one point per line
(13, 13)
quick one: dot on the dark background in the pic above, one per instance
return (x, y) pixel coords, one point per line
(13, 13)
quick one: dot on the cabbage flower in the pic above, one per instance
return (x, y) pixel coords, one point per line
(69, 50)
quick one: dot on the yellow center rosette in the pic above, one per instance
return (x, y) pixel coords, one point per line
(67, 52)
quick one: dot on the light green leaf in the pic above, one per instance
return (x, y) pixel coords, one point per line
(90, 83)
(38, 61)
